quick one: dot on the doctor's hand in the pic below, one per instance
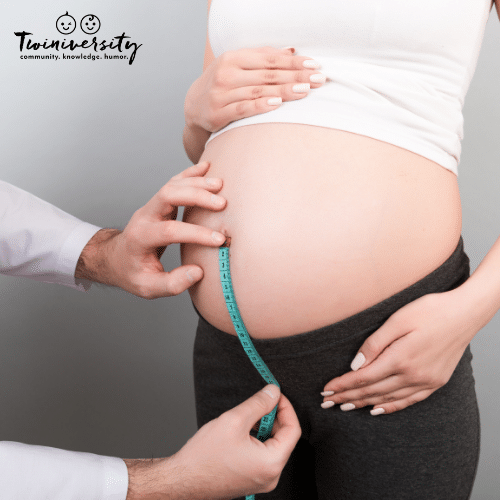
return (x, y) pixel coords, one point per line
(240, 83)
(130, 259)
(410, 356)
(222, 460)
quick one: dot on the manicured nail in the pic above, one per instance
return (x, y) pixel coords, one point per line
(347, 407)
(274, 101)
(377, 411)
(357, 362)
(327, 393)
(327, 404)
(289, 48)
(301, 87)
(219, 238)
(310, 64)
(211, 181)
(318, 78)
(217, 200)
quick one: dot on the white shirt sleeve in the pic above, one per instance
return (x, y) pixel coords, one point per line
(41, 473)
(38, 240)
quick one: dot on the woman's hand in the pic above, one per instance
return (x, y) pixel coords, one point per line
(410, 356)
(240, 83)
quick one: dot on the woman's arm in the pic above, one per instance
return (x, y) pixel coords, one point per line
(194, 137)
(481, 292)
(417, 349)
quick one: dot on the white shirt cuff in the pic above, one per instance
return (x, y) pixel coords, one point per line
(41, 472)
(115, 478)
(70, 253)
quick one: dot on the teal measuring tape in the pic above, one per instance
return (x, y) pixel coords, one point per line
(266, 423)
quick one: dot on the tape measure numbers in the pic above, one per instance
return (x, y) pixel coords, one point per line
(266, 423)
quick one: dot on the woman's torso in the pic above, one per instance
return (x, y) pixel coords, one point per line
(353, 196)
(323, 223)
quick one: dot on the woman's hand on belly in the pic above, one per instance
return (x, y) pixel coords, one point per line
(239, 84)
(410, 356)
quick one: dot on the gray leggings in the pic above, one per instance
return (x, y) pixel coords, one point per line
(427, 451)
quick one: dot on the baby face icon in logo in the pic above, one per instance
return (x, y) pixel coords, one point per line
(66, 24)
(90, 24)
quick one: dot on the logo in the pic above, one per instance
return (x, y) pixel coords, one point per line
(118, 47)
(66, 24)
(90, 24)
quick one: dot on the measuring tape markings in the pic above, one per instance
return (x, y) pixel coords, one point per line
(266, 423)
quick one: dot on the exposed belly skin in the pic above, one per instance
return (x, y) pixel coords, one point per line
(323, 223)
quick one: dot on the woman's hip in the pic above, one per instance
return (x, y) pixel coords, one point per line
(305, 362)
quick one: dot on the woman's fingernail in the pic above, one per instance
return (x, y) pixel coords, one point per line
(219, 238)
(274, 101)
(358, 362)
(377, 411)
(301, 87)
(347, 407)
(289, 48)
(318, 78)
(310, 64)
(327, 404)
(328, 393)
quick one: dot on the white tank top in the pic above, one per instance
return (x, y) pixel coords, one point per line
(396, 70)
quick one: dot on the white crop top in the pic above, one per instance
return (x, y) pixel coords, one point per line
(396, 70)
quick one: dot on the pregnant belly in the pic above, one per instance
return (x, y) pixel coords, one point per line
(323, 224)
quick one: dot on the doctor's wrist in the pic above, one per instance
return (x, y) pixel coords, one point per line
(93, 263)
(153, 479)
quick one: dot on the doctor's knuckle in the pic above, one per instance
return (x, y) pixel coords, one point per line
(169, 229)
(144, 290)
(175, 287)
(235, 423)
(274, 474)
(272, 485)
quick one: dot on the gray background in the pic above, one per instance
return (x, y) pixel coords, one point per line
(106, 372)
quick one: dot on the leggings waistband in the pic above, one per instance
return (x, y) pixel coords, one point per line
(449, 275)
